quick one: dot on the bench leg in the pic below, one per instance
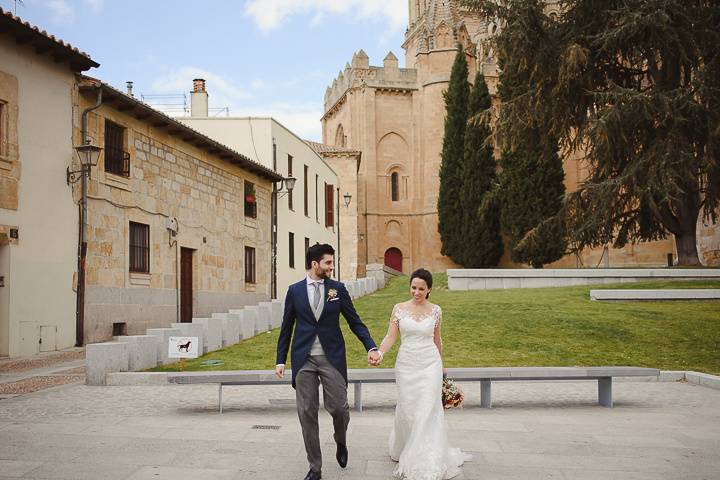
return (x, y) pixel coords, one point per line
(220, 398)
(605, 392)
(358, 397)
(485, 394)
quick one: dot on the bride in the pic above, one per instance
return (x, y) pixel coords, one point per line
(418, 440)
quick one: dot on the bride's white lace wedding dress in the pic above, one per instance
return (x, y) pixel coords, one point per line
(418, 441)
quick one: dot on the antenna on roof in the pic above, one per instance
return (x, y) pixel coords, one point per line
(22, 4)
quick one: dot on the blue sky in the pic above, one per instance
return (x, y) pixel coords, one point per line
(259, 57)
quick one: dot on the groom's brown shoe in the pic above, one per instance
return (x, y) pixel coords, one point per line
(313, 475)
(342, 455)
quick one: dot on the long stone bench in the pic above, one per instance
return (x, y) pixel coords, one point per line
(656, 295)
(357, 377)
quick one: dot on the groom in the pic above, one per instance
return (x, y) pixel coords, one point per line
(313, 306)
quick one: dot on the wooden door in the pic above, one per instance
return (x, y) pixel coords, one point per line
(393, 259)
(186, 285)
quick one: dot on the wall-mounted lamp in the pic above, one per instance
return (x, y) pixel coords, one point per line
(288, 184)
(347, 197)
(88, 155)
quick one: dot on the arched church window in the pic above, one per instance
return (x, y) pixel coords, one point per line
(340, 136)
(395, 186)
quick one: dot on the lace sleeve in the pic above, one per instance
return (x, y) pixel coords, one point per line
(394, 316)
(438, 316)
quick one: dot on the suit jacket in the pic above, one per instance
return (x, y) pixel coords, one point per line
(299, 314)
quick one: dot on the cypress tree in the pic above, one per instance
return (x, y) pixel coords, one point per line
(451, 174)
(532, 191)
(482, 246)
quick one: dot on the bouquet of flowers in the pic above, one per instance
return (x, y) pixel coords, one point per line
(452, 396)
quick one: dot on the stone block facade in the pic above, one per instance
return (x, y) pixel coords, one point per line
(169, 179)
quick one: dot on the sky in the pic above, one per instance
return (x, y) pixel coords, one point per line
(259, 57)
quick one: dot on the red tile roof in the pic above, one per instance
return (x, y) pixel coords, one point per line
(25, 33)
(321, 148)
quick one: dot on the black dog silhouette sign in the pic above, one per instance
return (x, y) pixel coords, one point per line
(183, 347)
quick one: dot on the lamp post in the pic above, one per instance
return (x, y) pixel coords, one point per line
(347, 197)
(278, 192)
(88, 154)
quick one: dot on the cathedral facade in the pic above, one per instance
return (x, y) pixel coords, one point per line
(395, 118)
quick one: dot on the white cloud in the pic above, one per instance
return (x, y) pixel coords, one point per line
(96, 5)
(222, 92)
(60, 11)
(269, 14)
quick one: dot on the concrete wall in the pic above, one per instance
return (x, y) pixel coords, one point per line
(492, 278)
(38, 267)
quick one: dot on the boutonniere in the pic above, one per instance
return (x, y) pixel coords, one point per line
(332, 295)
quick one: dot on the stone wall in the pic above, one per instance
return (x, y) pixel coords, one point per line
(169, 178)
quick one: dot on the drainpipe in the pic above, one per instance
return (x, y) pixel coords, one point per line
(82, 244)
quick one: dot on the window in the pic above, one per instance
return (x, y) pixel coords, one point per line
(290, 174)
(329, 205)
(249, 265)
(139, 248)
(317, 198)
(3, 129)
(305, 187)
(395, 187)
(291, 250)
(250, 200)
(307, 247)
(117, 160)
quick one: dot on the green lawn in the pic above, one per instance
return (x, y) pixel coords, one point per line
(531, 327)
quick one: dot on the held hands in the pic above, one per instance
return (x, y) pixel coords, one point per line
(280, 371)
(374, 358)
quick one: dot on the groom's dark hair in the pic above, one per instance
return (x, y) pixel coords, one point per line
(317, 252)
(423, 274)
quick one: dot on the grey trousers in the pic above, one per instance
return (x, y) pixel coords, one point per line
(317, 370)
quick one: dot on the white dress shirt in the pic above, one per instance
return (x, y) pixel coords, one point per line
(316, 348)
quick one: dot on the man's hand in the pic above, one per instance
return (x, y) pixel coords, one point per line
(374, 358)
(280, 371)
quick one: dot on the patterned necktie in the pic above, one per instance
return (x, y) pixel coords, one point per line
(316, 297)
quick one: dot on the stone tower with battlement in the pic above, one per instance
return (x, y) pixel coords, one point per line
(395, 118)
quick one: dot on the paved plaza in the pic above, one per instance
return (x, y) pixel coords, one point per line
(536, 430)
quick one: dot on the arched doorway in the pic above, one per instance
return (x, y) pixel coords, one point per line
(393, 258)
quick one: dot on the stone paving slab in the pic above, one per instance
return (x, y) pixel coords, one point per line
(536, 430)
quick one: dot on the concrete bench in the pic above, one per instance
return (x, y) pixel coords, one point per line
(656, 295)
(485, 376)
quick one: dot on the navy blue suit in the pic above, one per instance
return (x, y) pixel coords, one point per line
(298, 313)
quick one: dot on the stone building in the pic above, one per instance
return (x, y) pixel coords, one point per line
(305, 216)
(395, 117)
(38, 220)
(178, 225)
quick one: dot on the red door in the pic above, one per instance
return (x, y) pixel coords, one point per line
(393, 259)
(186, 285)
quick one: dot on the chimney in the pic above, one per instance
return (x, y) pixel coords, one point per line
(199, 99)
(129, 86)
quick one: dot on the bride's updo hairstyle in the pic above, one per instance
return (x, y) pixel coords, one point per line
(423, 274)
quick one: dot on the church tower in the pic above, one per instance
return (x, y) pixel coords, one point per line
(395, 117)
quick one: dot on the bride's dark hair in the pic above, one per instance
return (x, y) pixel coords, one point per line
(423, 274)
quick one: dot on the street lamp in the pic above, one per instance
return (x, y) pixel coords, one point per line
(277, 192)
(288, 183)
(347, 198)
(88, 155)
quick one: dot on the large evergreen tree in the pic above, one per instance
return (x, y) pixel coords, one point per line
(634, 85)
(531, 194)
(451, 174)
(483, 245)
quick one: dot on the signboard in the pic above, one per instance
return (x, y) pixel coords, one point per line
(183, 347)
